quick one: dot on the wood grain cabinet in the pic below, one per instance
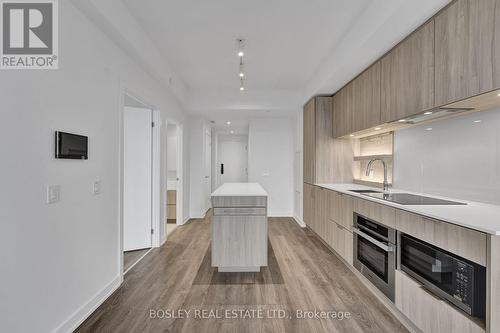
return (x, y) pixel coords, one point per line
(320, 204)
(470, 244)
(342, 242)
(343, 111)
(407, 76)
(429, 313)
(309, 211)
(467, 50)
(347, 210)
(366, 110)
(380, 213)
(309, 148)
(318, 141)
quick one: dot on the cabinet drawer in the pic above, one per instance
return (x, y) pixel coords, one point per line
(240, 211)
(343, 242)
(243, 201)
(464, 242)
(377, 212)
(429, 313)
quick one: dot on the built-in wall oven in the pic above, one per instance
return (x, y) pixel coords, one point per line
(374, 253)
(447, 275)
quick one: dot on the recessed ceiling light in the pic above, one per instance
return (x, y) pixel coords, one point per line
(241, 53)
(428, 129)
(402, 120)
(378, 128)
(242, 74)
(242, 88)
(228, 122)
(428, 113)
(351, 135)
(498, 95)
(477, 121)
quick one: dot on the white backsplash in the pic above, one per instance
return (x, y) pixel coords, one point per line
(458, 158)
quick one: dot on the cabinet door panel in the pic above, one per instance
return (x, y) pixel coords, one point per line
(343, 104)
(467, 50)
(346, 208)
(407, 76)
(334, 209)
(309, 149)
(366, 111)
(427, 312)
(325, 151)
(308, 204)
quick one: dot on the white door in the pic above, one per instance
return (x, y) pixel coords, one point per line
(207, 161)
(233, 161)
(137, 178)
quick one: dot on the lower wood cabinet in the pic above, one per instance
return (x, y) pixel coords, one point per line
(464, 242)
(429, 313)
(347, 210)
(330, 220)
(308, 204)
(342, 242)
(375, 211)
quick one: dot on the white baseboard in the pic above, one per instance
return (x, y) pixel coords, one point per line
(164, 239)
(299, 221)
(279, 214)
(186, 220)
(198, 215)
(78, 317)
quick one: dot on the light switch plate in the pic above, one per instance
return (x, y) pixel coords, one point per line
(96, 187)
(53, 193)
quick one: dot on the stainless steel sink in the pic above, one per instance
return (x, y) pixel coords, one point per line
(365, 191)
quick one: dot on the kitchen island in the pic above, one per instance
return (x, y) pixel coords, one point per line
(239, 227)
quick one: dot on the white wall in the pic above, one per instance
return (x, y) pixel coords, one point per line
(197, 128)
(270, 162)
(298, 180)
(172, 144)
(458, 158)
(57, 260)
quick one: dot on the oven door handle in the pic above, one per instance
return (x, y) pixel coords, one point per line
(385, 247)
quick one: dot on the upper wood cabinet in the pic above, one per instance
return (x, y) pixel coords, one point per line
(366, 110)
(343, 109)
(407, 76)
(309, 149)
(319, 150)
(467, 50)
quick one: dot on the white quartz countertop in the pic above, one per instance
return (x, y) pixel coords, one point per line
(240, 190)
(474, 215)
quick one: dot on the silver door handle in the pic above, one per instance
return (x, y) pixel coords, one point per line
(386, 248)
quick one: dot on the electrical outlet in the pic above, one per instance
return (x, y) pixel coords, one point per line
(96, 187)
(53, 193)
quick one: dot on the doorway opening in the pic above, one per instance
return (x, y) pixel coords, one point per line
(231, 159)
(174, 214)
(137, 207)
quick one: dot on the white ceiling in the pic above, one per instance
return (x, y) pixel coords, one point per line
(294, 48)
(285, 39)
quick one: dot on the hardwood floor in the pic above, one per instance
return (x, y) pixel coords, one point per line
(131, 257)
(302, 275)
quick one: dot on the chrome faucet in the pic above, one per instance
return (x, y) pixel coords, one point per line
(369, 168)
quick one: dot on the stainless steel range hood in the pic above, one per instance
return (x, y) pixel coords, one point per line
(432, 114)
